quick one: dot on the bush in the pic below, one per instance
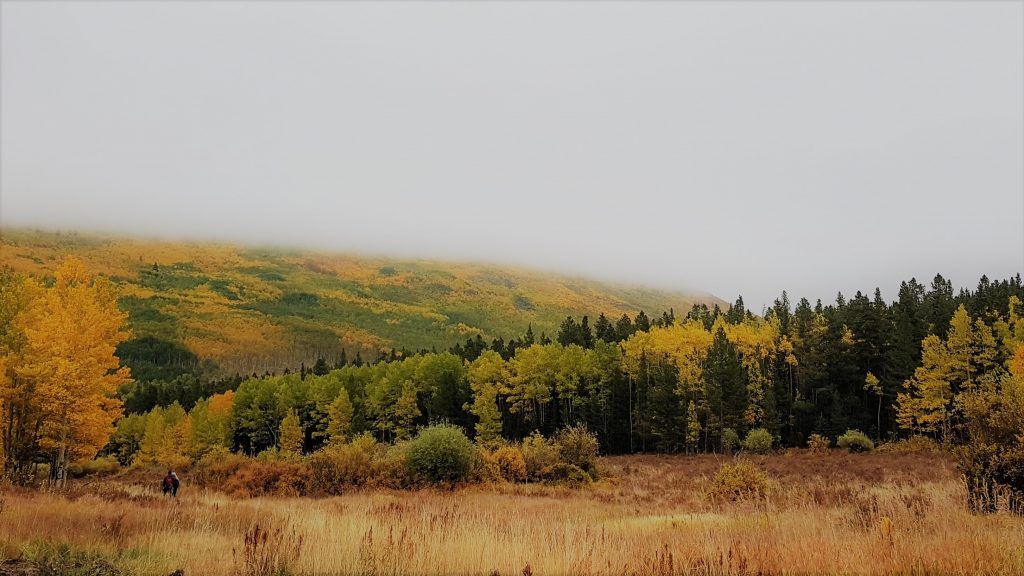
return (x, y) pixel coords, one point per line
(730, 440)
(485, 467)
(758, 441)
(340, 465)
(538, 453)
(577, 446)
(567, 474)
(103, 466)
(440, 453)
(258, 478)
(511, 464)
(739, 481)
(216, 466)
(391, 467)
(910, 445)
(818, 444)
(856, 441)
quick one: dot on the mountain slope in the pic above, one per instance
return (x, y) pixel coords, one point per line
(255, 308)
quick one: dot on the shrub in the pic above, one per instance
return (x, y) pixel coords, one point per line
(259, 478)
(391, 467)
(739, 481)
(103, 466)
(340, 465)
(758, 441)
(511, 464)
(856, 441)
(577, 446)
(485, 467)
(567, 474)
(440, 453)
(538, 453)
(818, 444)
(730, 441)
(912, 444)
(216, 466)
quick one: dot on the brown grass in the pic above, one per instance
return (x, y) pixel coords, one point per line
(823, 514)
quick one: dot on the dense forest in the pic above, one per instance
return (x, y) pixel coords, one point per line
(668, 384)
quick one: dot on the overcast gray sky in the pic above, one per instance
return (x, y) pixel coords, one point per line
(737, 147)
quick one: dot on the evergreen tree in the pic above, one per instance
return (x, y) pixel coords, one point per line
(320, 368)
(604, 330)
(586, 336)
(642, 322)
(569, 332)
(624, 328)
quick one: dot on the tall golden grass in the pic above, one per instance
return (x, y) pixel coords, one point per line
(823, 514)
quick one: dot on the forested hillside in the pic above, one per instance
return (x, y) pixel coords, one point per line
(933, 362)
(254, 309)
(694, 383)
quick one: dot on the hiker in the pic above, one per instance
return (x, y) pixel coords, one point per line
(167, 484)
(174, 484)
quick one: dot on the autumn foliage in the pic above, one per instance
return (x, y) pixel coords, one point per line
(60, 373)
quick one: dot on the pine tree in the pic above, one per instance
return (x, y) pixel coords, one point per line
(624, 328)
(586, 336)
(604, 330)
(642, 322)
(320, 368)
(569, 332)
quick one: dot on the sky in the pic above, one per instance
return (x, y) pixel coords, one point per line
(732, 147)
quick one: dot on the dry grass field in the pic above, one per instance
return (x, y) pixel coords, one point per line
(822, 514)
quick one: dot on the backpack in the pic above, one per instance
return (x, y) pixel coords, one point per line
(168, 481)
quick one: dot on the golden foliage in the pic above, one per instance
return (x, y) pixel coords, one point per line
(63, 378)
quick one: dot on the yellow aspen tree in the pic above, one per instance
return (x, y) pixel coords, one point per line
(340, 413)
(290, 435)
(405, 411)
(925, 404)
(152, 437)
(71, 334)
(19, 413)
(488, 374)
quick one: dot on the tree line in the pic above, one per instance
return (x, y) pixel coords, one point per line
(669, 385)
(931, 362)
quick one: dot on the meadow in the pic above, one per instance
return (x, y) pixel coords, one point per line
(834, 513)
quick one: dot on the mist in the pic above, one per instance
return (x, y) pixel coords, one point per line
(735, 148)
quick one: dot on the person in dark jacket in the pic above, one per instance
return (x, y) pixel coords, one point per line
(174, 484)
(167, 484)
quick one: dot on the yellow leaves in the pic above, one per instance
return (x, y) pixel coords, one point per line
(220, 404)
(684, 344)
(290, 435)
(70, 332)
(871, 384)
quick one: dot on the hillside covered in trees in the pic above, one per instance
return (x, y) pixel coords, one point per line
(252, 309)
(933, 362)
(674, 384)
